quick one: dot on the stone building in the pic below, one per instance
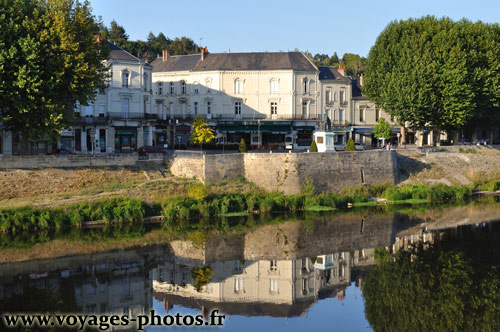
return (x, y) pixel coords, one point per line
(120, 119)
(267, 98)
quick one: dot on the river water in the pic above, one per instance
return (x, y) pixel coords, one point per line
(438, 269)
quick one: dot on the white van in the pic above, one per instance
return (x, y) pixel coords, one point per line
(325, 141)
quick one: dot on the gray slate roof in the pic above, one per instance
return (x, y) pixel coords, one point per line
(332, 73)
(117, 53)
(235, 61)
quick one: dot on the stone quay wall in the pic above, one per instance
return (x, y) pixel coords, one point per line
(72, 161)
(287, 172)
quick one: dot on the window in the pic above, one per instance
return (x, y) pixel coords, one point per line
(238, 285)
(305, 286)
(304, 109)
(209, 107)
(208, 83)
(238, 86)
(160, 88)
(125, 107)
(274, 86)
(238, 266)
(273, 286)
(237, 108)
(361, 115)
(102, 109)
(273, 266)
(171, 87)
(171, 109)
(145, 78)
(89, 110)
(341, 115)
(335, 96)
(328, 96)
(377, 114)
(342, 96)
(274, 108)
(196, 90)
(145, 104)
(183, 87)
(125, 79)
(195, 107)
(304, 85)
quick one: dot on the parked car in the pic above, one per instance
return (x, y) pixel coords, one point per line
(339, 147)
(359, 147)
(465, 142)
(145, 150)
(484, 141)
(444, 142)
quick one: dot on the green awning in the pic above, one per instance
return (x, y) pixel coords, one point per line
(304, 128)
(276, 129)
(126, 132)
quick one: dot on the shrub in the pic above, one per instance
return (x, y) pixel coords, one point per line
(350, 145)
(242, 148)
(313, 147)
(308, 188)
(198, 191)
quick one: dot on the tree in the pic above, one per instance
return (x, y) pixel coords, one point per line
(350, 145)
(382, 130)
(117, 34)
(201, 276)
(50, 58)
(436, 72)
(201, 132)
(354, 63)
(313, 147)
(243, 146)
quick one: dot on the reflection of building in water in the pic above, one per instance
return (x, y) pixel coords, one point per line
(115, 288)
(259, 287)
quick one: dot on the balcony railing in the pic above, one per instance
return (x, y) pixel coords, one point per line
(131, 116)
(101, 120)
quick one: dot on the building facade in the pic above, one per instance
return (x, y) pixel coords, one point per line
(120, 119)
(268, 99)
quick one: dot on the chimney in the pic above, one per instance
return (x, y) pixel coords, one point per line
(342, 70)
(361, 79)
(165, 55)
(99, 39)
(204, 52)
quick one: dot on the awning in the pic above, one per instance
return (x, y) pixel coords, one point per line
(304, 128)
(126, 132)
(275, 129)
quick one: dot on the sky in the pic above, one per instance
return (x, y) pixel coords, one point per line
(278, 25)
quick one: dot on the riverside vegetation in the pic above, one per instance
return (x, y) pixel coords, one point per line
(205, 201)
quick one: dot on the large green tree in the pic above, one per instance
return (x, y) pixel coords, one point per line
(201, 133)
(50, 58)
(436, 72)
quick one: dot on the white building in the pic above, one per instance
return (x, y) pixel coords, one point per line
(120, 118)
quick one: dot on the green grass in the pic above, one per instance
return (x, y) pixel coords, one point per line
(234, 214)
(411, 201)
(369, 203)
(319, 208)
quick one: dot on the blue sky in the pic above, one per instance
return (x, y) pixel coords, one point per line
(276, 25)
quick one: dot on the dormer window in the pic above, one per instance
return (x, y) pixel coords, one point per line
(125, 78)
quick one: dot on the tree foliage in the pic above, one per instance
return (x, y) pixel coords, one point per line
(154, 45)
(451, 286)
(382, 129)
(202, 276)
(50, 58)
(350, 145)
(436, 72)
(201, 133)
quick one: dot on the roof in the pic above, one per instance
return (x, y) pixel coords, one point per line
(176, 63)
(248, 309)
(236, 61)
(332, 73)
(117, 53)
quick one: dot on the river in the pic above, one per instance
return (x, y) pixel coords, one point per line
(437, 270)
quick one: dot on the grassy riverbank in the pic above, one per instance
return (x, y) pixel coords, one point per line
(204, 201)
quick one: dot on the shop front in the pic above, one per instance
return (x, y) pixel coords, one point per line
(276, 134)
(125, 139)
(303, 136)
(234, 131)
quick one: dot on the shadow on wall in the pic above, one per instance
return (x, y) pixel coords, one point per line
(409, 166)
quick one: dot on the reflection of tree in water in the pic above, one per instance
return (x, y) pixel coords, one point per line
(33, 299)
(453, 285)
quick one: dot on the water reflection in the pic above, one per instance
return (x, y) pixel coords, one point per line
(436, 274)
